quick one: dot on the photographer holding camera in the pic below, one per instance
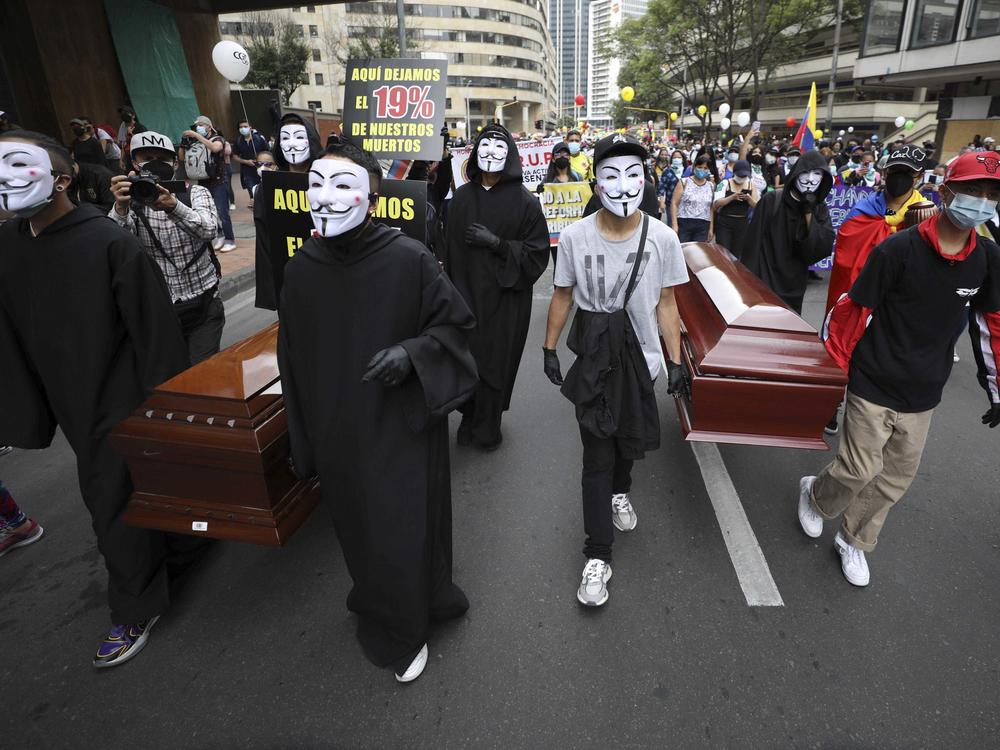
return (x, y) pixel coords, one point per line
(176, 230)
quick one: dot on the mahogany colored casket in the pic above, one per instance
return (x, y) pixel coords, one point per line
(208, 451)
(759, 373)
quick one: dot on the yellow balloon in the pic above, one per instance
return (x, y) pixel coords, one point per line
(818, 133)
(479, 129)
(702, 109)
(673, 116)
(628, 93)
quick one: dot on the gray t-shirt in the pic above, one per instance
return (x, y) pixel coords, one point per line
(599, 269)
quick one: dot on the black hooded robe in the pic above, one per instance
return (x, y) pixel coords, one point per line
(87, 330)
(266, 277)
(381, 452)
(497, 288)
(779, 247)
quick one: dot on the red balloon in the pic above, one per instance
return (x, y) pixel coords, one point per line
(580, 100)
(790, 122)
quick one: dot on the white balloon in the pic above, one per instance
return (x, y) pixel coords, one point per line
(724, 123)
(743, 119)
(841, 132)
(900, 121)
(850, 129)
(231, 60)
(724, 109)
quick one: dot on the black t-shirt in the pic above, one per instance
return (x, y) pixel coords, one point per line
(89, 151)
(918, 303)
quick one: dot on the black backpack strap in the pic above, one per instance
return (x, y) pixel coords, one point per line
(638, 259)
(206, 247)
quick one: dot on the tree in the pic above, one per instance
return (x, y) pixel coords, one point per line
(278, 54)
(700, 51)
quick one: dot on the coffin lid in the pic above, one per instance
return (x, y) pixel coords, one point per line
(737, 327)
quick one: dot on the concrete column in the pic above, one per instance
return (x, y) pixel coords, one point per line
(527, 125)
(920, 94)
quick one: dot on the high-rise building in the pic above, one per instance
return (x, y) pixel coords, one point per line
(605, 17)
(569, 22)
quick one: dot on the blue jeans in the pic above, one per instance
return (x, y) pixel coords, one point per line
(220, 194)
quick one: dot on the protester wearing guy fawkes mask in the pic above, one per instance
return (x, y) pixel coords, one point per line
(176, 231)
(790, 230)
(619, 267)
(87, 331)
(296, 145)
(497, 245)
(373, 354)
(893, 333)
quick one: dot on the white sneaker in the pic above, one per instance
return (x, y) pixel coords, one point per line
(593, 591)
(852, 561)
(416, 667)
(811, 521)
(227, 247)
(217, 243)
(622, 513)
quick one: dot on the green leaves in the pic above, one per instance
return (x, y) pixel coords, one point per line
(279, 62)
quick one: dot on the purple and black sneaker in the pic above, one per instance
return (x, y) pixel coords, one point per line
(123, 642)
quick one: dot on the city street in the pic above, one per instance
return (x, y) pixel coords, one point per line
(259, 649)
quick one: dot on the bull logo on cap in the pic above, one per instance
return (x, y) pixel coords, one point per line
(990, 161)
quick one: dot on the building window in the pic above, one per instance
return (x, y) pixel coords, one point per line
(310, 9)
(314, 105)
(934, 22)
(319, 79)
(883, 26)
(299, 30)
(313, 31)
(316, 56)
(985, 19)
(447, 103)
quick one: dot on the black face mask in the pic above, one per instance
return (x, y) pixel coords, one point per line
(79, 130)
(756, 159)
(561, 162)
(898, 184)
(163, 170)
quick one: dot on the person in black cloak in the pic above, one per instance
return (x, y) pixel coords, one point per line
(87, 330)
(296, 145)
(373, 353)
(791, 229)
(497, 245)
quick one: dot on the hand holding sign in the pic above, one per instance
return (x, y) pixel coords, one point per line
(231, 60)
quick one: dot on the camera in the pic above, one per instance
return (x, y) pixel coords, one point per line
(144, 187)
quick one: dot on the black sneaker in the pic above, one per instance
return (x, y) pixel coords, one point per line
(123, 642)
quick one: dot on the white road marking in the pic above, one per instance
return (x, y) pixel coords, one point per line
(748, 558)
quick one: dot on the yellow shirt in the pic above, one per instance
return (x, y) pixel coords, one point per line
(582, 166)
(897, 219)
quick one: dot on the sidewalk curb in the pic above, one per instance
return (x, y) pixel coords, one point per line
(237, 282)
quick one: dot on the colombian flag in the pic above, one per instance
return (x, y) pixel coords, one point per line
(805, 138)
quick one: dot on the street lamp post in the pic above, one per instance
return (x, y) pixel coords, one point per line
(468, 123)
(828, 128)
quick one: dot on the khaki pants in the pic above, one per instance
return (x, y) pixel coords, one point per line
(879, 455)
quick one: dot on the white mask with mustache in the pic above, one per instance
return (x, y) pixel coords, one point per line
(294, 142)
(491, 154)
(809, 182)
(339, 192)
(26, 178)
(620, 183)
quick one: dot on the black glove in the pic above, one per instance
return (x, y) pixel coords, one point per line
(677, 381)
(479, 235)
(389, 366)
(552, 371)
(992, 417)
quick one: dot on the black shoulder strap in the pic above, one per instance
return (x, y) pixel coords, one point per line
(206, 247)
(638, 259)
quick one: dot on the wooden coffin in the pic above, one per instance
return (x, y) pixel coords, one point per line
(208, 451)
(759, 373)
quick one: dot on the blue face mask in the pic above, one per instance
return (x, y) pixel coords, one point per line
(732, 157)
(701, 174)
(574, 148)
(201, 130)
(244, 131)
(968, 212)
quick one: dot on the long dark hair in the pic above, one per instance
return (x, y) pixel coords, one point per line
(550, 174)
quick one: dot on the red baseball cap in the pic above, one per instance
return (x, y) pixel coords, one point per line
(975, 165)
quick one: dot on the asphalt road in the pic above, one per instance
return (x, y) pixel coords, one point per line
(259, 651)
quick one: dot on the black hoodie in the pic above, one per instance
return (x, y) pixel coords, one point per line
(266, 276)
(497, 285)
(87, 330)
(780, 246)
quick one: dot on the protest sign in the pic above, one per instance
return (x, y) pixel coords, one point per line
(840, 201)
(400, 203)
(535, 158)
(395, 108)
(563, 203)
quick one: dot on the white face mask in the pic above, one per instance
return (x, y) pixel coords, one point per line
(26, 178)
(620, 183)
(338, 196)
(294, 142)
(792, 160)
(809, 182)
(769, 158)
(491, 155)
